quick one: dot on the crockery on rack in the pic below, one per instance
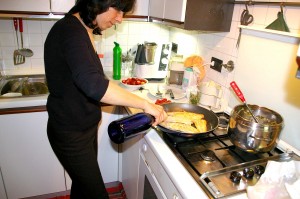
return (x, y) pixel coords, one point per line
(165, 90)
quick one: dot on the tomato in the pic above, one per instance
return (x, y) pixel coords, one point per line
(162, 101)
(134, 81)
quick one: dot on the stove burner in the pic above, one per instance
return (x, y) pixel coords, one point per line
(208, 155)
(223, 120)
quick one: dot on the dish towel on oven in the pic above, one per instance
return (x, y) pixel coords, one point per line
(281, 180)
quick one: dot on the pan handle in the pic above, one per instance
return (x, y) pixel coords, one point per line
(237, 91)
(21, 24)
(16, 24)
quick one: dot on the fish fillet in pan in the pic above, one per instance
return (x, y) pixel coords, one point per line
(186, 122)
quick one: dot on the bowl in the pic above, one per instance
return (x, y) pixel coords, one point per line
(133, 83)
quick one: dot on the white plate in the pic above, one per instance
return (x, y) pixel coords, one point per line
(178, 93)
(133, 87)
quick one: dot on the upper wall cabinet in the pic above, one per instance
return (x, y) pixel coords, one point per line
(204, 15)
(28, 8)
(61, 6)
(25, 5)
(140, 10)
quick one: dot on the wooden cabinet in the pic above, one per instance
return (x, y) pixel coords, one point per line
(213, 15)
(129, 166)
(141, 8)
(2, 189)
(156, 9)
(175, 10)
(28, 165)
(25, 5)
(36, 7)
(108, 152)
(61, 6)
(140, 11)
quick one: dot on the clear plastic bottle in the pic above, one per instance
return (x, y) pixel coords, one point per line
(117, 61)
(130, 126)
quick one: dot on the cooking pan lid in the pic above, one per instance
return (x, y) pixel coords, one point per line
(210, 117)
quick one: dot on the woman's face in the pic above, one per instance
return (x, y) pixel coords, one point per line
(109, 18)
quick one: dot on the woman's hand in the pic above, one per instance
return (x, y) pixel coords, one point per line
(157, 111)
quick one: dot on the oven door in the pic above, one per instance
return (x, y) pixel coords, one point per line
(148, 187)
(154, 182)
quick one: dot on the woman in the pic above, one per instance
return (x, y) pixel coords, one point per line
(77, 85)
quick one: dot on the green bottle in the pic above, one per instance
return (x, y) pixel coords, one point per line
(117, 61)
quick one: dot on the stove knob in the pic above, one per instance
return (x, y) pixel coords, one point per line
(235, 177)
(248, 173)
(259, 169)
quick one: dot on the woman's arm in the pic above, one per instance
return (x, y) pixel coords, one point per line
(118, 96)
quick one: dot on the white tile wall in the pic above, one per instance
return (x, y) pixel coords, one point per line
(223, 45)
(127, 34)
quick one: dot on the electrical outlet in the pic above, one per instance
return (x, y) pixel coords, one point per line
(217, 64)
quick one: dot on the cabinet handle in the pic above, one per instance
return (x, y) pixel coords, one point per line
(144, 148)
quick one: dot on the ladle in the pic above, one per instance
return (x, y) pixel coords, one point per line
(240, 95)
(26, 52)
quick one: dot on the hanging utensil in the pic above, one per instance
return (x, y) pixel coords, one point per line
(23, 51)
(18, 57)
(245, 20)
(239, 93)
(279, 23)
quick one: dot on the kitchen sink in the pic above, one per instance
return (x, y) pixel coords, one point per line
(23, 86)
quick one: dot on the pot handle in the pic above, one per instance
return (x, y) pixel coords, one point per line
(262, 139)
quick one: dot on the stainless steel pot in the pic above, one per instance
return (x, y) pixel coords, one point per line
(254, 137)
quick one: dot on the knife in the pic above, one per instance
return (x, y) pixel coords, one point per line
(171, 94)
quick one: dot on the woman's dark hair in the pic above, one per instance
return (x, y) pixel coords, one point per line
(89, 9)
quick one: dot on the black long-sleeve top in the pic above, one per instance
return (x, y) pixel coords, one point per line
(74, 75)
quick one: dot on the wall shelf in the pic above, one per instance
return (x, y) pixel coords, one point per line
(276, 32)
(249, 3)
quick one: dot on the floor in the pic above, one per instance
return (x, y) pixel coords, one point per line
(114, 189)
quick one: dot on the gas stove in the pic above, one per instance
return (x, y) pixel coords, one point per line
(219, 167)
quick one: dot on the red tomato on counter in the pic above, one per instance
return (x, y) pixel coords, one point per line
(134, 81)
(162, 101)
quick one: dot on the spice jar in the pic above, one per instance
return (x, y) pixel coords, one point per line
(193, 95)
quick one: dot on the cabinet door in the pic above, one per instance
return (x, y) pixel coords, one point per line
(156, 8)
(61, 6)
(25, 5)
(175, 10)
(28, 164)
(141, 8)
(108, 152)
(2, 189)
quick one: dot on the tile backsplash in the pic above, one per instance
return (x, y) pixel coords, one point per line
(128, 34)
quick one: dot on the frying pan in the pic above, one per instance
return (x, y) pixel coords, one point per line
(209, 116)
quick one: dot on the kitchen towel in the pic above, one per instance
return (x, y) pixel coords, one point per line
(281, 180)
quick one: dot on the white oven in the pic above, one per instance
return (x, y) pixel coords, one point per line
(154, 183)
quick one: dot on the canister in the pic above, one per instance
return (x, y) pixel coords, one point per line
(176, 72)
